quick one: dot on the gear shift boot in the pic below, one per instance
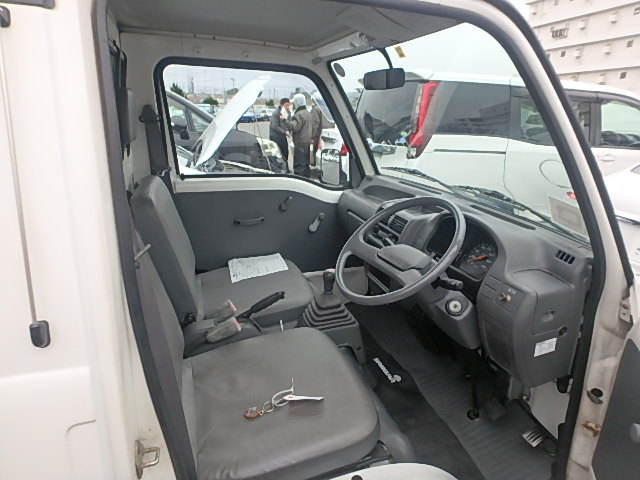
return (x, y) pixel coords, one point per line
(326, 312)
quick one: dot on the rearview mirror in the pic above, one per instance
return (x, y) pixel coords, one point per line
(384, 79)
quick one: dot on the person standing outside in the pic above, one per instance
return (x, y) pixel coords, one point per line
(316, 126)
(279, 127)
(301, 130)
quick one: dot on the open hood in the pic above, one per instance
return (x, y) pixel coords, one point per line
(226, 119)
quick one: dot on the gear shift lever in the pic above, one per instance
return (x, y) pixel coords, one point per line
(329, 279)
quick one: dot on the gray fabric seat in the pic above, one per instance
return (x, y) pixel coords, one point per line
(159, 224)
(296, 441)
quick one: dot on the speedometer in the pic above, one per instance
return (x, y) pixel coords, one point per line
(479, 259)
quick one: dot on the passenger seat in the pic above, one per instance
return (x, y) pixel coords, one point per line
(159, 224)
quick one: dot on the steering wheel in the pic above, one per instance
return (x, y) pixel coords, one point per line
(410, 267)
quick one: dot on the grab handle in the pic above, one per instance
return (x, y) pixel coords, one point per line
(247, 222)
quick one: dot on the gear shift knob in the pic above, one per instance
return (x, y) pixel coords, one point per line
(329, 278)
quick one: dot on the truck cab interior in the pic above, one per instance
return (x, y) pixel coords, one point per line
(442, 315)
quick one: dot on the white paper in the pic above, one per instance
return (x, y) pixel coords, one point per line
(545, 347)
(243, 268)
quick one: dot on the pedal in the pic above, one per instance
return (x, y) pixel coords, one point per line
(535, 436)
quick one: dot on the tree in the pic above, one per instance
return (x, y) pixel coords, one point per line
(270, 103)
(175, 88)
(210, 100)
(231, 92)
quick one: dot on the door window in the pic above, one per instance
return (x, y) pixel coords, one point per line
(531, 127)
(244, 138)
(620, 125)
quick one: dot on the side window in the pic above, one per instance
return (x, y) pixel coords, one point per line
(385, 115)
(266, 123)
(531, 127)
(472, 109)
(620, 125)
(199, 122)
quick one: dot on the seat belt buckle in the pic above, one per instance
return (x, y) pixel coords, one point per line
(223, 311)
(224, 329)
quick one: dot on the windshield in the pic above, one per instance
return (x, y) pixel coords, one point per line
(464, 121)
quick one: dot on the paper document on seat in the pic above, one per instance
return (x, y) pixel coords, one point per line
(243, 268)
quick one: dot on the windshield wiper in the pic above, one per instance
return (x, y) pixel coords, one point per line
(515, 204)
(419, 173)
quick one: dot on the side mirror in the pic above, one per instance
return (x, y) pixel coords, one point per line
(330, 166)
(384, 79)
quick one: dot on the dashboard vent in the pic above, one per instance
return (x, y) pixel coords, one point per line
(565, 257)
(397, 224)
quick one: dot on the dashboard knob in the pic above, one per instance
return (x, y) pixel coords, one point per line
(454, 307)
(504, 297)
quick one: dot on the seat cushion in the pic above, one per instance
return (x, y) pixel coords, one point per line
(215, 287)
(299, 440)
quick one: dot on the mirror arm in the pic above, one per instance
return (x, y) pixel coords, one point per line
(386, 56)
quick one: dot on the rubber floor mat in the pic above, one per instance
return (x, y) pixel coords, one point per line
(496, 447)
(433, 441)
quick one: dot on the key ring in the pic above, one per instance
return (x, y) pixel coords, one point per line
(278, 399)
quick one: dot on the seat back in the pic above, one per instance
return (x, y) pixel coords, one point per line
(167, 348)
(159, 224)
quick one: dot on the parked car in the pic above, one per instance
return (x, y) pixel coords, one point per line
(207, 108)
(264, 113)
(248, 117)
(497, 120)
(189, 121)
(624, 189)
(189, 124)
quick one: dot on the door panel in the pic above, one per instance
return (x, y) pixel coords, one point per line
(617, 454)
(228, 224)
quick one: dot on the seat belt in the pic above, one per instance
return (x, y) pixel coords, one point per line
(155, 145)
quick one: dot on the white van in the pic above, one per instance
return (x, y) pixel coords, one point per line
(171, 314)
(485, 124)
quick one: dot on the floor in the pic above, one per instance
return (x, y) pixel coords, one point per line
(426, 393)
(433, 441)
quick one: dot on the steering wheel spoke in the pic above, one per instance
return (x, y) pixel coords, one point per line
(409, 266)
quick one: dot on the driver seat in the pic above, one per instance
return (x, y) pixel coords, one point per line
(159, 224)
(298, 440)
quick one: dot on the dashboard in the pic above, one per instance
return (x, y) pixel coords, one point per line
(524, 286)
(477, 255)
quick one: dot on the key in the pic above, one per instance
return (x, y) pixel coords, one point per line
(253, 412)
(298, 398)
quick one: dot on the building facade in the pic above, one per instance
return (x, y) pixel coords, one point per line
(593, 41)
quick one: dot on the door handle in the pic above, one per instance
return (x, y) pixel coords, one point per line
(607, 157)
(316, 223)
(247, 222)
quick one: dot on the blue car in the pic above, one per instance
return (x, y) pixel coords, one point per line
(248, 117)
